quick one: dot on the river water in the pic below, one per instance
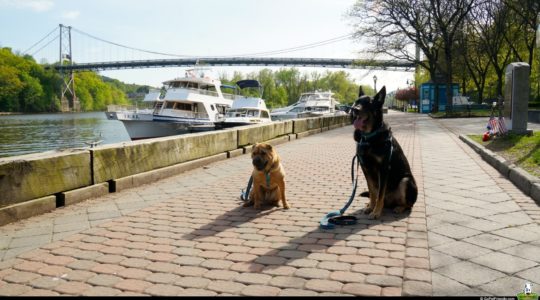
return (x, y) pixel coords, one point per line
(24, 134)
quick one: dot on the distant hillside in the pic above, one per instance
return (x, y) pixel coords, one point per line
(27, 87)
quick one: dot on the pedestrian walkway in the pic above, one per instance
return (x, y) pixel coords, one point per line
(471, 231)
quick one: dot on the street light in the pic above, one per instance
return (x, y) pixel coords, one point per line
(375, 83)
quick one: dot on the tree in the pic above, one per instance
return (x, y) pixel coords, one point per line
(526, 15)
(409, 94)
(393, 27)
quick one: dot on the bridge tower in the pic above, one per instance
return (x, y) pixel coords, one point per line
(68, 100)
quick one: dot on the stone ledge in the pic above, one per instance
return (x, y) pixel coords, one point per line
(155, 175)
(527, 183)
(78, 195)
(27, 209)
(308, 133)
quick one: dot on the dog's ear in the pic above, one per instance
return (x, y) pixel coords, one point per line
(360, 92)
(380, 96)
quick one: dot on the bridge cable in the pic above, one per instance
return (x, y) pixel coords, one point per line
(128, 47)
(56, 28)
(54, 39)
(297, 48)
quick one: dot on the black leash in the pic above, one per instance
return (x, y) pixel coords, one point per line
(336, 217)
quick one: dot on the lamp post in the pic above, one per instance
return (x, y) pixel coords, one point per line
(375, 83)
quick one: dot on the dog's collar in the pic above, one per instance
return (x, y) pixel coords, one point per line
(267, 175)
(367, 136)
(364, 142)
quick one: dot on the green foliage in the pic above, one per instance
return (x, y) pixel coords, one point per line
(522, 150)
(26, 86)
(283, 87)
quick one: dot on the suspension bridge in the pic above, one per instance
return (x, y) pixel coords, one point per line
(67, 64)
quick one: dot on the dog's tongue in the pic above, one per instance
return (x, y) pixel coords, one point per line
(358, 123)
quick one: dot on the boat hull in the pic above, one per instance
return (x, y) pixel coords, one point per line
(151, 129)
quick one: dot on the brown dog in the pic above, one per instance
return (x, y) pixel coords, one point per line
(389, 178)
(268, 177)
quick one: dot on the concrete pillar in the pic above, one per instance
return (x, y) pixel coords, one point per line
(516, 97)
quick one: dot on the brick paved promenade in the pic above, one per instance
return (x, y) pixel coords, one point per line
(471, 231)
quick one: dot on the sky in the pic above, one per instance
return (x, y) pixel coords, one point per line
(187, 28)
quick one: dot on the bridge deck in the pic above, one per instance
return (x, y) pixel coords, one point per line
(471, 231)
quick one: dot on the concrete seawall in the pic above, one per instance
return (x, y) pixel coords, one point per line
(37, 183)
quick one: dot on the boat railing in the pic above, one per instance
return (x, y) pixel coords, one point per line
(187, 114)
(211, 93)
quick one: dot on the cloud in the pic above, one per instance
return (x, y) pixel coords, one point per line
(72, 15)
(35, 5)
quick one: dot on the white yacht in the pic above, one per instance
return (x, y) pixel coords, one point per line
(247, 110)
(191, 103)
(312, 104)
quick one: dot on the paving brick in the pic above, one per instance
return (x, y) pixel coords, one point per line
(13, 289)
(354, 259)
(164, 267)
(132, 285)
(54, 271)
(252, 278)
(79, 275)
(20, 277)
(260, 290)
(133, 273)
(527, 251)
(417, 274)
(190, 271)
(279, 270)
(193, 282)
(461, 250)
(107, 269)
(72, 288)
(163, 290)
(320, 285)
(302, 263)
(469, 273)
(368, 269)
(97, 291)
(165, 278)
(45, 282)
(297, 293)
(384, 280)
(504, 262)
(216, 264)
(312, 273)
(334, 266)
(416, 262)
(39, 293)
(29, 266)
(360, 289)
(346, 276)
(387, 262)
(221, 274)
(287, 282)
(104, 280)
(188, 260)
(226, 287)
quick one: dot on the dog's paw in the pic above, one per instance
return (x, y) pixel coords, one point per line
(286, 206)
(373, 216)
(367, 209)
(399, 209)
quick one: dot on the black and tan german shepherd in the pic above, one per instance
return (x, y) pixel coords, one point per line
(387, 171)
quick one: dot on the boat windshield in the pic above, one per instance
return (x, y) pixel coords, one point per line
(239, 113)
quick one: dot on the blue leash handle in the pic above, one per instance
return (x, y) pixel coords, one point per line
(325, 221)
(354, 180)
(244, 195)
